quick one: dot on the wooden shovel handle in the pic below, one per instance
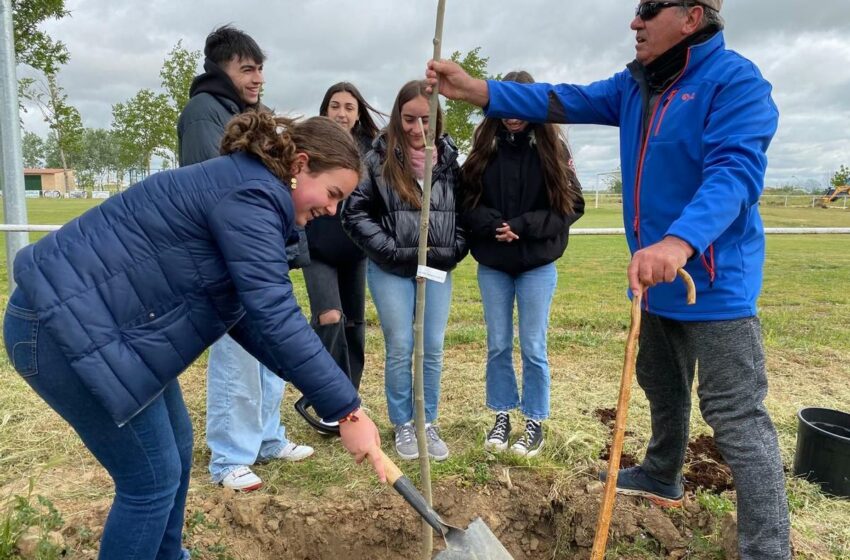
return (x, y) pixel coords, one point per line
(390, 468)
(606, 508)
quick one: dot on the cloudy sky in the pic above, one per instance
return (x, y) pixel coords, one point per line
(803, 48)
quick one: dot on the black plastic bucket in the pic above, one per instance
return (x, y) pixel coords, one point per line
(823, 449)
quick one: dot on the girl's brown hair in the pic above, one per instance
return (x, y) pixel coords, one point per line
(276, 140)
(561, 182)
(397, 171)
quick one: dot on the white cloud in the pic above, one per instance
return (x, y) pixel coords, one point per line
(802, 48)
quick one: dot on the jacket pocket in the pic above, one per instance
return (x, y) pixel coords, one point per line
(20, 334)
(709, 264)
(153, 321)
(667, 101)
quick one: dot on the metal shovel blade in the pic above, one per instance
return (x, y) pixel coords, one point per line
(477, 542)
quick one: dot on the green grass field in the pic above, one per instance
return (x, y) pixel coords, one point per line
(805, 312)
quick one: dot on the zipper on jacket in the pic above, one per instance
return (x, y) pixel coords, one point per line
(664, 110)
(639, 174)
(709, 265)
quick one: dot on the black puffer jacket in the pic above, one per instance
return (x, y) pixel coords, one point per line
(387, 228)
(514, 192)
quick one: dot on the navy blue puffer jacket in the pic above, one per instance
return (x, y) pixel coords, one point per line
(135, 289)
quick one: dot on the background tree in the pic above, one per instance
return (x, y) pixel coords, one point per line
(461, 117)
(63, 119)
(614, 182)
(144, 128)
(99, 158)
(840, 177)
(33, 148)
(178, 70)
(34, 47)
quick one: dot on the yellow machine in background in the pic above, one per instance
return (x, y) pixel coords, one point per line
(834, 194)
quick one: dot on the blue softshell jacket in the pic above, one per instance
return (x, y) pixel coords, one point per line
(135, 289)
(693, 168)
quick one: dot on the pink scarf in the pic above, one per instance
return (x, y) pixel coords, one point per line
(417, 161)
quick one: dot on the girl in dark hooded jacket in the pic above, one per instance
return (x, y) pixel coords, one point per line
(520, 196)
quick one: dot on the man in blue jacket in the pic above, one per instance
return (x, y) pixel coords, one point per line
(695, 123)
(243, 396)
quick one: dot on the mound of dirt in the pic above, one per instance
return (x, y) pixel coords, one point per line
(705, 467)
(525, 511)
(608, 417)
(533, 515)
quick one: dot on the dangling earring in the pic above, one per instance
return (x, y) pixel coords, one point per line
(293, 183)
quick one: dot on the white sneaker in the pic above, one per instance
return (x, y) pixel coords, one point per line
(242, 479)
(294, 452)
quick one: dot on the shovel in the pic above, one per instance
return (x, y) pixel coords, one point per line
(476, 542)
(606, 508)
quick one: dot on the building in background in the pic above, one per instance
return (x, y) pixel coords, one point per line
(49, 183)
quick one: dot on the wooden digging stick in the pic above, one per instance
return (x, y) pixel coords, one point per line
(606, 508)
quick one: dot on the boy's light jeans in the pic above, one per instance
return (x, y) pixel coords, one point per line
(243, 409)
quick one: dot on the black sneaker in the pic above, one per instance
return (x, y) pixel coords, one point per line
(497, 438)
(530, 442)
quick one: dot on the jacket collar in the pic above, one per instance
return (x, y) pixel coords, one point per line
(693, 52)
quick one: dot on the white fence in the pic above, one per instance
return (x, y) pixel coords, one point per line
(601, 199)
(598, 199)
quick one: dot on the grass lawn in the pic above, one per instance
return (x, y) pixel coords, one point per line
(805, 313)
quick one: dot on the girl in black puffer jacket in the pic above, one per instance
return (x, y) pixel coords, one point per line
(382, 218)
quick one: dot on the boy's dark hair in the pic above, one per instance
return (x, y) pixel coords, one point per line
(226, 42)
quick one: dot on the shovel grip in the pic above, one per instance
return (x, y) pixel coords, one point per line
(411, 495)
(392, 470)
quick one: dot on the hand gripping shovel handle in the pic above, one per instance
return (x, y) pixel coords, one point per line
(412, 496)
(606, 508)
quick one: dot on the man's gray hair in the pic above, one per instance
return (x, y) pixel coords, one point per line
(709, 17)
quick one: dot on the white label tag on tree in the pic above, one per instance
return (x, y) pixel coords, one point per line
(431, 273)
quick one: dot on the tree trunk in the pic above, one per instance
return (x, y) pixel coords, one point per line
(419, 318)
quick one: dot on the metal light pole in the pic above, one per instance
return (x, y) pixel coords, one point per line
(11, 157)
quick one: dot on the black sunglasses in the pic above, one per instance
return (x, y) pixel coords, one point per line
(649, 10)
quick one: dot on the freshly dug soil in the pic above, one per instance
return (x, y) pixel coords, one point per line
(532, 517)
(704, 466)
(532, 514)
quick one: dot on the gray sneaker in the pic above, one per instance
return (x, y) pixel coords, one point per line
(405, 442)
(437, 448)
